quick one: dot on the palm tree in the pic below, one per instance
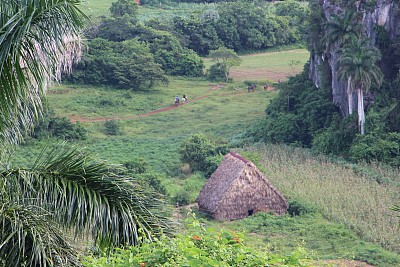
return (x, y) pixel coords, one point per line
(357, 66)
(340, 30)
(64, 190)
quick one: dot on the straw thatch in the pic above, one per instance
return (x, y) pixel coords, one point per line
(238, 189)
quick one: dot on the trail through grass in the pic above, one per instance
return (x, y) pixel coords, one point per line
(354, 204)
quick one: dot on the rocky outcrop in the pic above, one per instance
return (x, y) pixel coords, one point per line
(384, 13)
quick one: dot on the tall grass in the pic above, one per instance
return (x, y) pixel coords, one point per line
(340, 194)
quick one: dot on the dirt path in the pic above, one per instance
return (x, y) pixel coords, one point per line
(75, 118)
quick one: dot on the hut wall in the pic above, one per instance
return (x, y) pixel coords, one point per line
(249, 194)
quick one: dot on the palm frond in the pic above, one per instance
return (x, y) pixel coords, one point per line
(30, 238)
(38, 39)
(87, 195)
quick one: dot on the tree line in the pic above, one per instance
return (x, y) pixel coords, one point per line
(305, 115)
(127, 53)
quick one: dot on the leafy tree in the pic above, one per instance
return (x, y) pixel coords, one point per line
(64, 188)
(128, 65)
(123, 7)
(341, 28)
(199, 151)
(216, 72)
(357, 65)
(117, 29)
(163, 45)
(226, 58)
(201, 34)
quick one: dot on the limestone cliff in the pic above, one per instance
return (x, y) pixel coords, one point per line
(383, 13)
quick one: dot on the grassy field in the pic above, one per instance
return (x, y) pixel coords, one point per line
(223, 111)
(348, 210)
(341, 195)
(96, 8)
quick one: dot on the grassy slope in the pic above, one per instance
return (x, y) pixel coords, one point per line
(156, 138)
(225, 112)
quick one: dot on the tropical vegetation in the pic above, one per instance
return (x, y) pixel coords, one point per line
(62, 207)
(63, 191)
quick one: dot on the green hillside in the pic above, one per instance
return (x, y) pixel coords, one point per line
(339, 212)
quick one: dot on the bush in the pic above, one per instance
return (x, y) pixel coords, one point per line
(57, 127)
(139, 165)
(371, 147)
(199, 247)
(201, 152)
(297, 208)
(216, 72)
(182, 197)
(111, 128)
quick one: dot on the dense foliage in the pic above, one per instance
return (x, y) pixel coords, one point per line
(203, 153)
(224, 60)
(176, 43)
(126, 64)
(197, 247)
(124, 53)
(59, 127)
(305, 115)
(291, 121)
(244, 26)
(123, 7)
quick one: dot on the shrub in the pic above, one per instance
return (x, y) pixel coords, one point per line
(138, 165)
(297, 208)
(182, 197)
(111, 128)
(371, 147)
(216, 72)
(200, 152)
(57, 127)
(199, 247)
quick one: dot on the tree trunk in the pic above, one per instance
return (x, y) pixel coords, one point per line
(360, 109)
(349, 95)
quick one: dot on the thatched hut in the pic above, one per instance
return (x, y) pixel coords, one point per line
(238, 189)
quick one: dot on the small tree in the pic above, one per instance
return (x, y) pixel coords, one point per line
(200, 151)
(226, 58)
(123, 7)
(357, 66)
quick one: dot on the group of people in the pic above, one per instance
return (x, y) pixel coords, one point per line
(184, 99)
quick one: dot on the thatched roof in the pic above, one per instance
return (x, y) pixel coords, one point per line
(238, 189)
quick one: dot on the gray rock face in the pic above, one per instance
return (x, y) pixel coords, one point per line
(385, 13)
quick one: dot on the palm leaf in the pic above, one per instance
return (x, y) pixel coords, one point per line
(87, 195)
(38, 39)
(30, 238)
